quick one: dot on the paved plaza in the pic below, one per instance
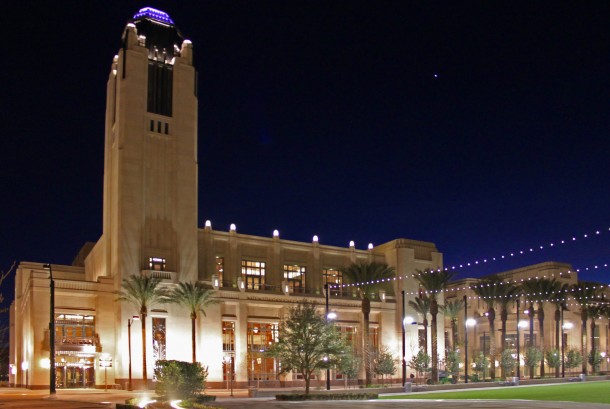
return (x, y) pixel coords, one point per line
(17, 398)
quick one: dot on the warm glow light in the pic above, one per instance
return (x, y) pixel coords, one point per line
(315, 239)
(568, 325)
(523, 324)
(409, 320)
(370, 246)
(45, 363)
(351, 243)
(175, 404)
(208, 223)
(471, 322)
(145, 402)
(603, 354)
(276, 233)
(232, 227)
(332, 315)
(13, 369)
(24, 365)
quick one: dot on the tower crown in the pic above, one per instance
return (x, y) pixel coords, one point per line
(157, 31)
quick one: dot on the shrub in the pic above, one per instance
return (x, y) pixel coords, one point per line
(179, 380)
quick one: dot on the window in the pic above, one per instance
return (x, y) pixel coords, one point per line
(253, 274)
(157, 264)
(220, 268)
(260, 337)
(526, 340)
(333, 277)
(510, 342)
(158, 336)
(160, 88)
(295, 276)
(484, 343)
(348, 333)
(152, 125)
(228, 336)
(166, 128)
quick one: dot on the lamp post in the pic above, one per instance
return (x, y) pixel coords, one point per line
(229, 364)
(404, 359)
(129, 321)
(52, 390)
(518, 342)
(563, 358)
(326, 317)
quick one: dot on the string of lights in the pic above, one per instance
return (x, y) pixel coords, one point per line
(528, 250)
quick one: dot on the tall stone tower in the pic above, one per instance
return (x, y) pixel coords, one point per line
(150, 165)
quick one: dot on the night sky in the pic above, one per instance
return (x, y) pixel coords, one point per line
(483, 127)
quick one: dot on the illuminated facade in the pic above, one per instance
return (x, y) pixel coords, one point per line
(150, 227)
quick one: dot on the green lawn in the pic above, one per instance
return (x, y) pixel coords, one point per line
(593, 392)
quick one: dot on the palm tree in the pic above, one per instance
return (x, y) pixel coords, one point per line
(143, 292)
(452, 310)
(195, 297)
(584, 293)
(421, 305)
(539, 291)
(434, 282)
(593, 311)
(487, 289)
(505, 293)
(559, 301)
(369, 277)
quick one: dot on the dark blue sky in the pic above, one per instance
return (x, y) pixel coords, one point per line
(483, 127)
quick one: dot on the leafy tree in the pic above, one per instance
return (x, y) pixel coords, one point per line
(195, 297)
(452, 310)
(595, 359)
(384, 363)
(179, 380)
(369, 277)
(507, 362)
(421, 305)
(452, 364)
(348, 364)
(573, 358)
(143, 292)
(420, 362)
(480, 363)
(532, 359)
(435, 282)
(306, 342)
(553, 358)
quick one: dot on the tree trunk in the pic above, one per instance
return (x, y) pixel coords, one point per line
(366, 310)
(454, 338)
(143, 314)
(492, 343)
(531, 341)
(425, 324)
(434, 333)
(307, 379)
(583, 338)
(503, 318)
(193, 337)
(557, 346)
(592, 344)
(541, 326)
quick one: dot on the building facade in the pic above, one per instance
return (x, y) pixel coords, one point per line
(150, 227)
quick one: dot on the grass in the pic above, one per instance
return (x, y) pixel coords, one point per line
(592, 392)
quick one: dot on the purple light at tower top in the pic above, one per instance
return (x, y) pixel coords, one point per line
(153, 14)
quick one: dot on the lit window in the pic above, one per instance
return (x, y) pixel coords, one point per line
(156, 263)
(253, 274)
(295, 276)
(333, 277)
(220, 268)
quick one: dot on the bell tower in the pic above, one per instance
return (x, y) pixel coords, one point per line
(150, 156)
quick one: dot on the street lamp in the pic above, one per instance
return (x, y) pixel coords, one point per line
(52, 390)
(404, 359)
(228, 363)
(566, 326)
(129, 321)
(470, 322)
